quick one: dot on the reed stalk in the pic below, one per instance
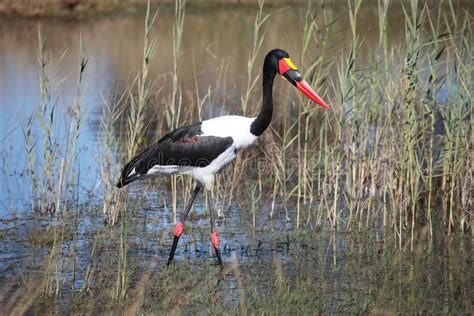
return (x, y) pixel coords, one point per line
(258, 37)
(174, 109)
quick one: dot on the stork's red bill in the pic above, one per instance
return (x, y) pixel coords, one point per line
(289, 71)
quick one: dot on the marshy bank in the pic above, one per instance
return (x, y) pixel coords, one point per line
(367, 208)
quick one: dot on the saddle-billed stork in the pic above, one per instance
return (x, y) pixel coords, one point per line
(204, 148)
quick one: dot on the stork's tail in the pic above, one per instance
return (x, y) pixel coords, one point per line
(124, 181)
(129, 173)
(127, 176)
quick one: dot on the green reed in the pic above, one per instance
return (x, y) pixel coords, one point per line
(136, 118)
(54, 174)
(389, 139)
(378, 156)
(251, 82)
(173, 110)
(46, 118)
(258, 38)
(136, 128)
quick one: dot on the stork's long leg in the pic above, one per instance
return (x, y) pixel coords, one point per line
(179, 227)
(214, 238)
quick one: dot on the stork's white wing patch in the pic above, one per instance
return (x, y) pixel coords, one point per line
(237, 127)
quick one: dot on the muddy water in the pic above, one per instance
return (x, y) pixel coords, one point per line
(311, 270)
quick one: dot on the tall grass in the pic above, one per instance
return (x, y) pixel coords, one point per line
(251, 82)
(174, 109)
(137, 125)
(55, 174)
(393, 150)
(383, 157)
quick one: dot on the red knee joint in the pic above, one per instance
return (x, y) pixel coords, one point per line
(179, 229)
(215, 239)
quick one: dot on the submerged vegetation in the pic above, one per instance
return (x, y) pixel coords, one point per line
(377, 191)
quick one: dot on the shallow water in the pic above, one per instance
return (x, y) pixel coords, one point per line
(269, 267)
(277, 267)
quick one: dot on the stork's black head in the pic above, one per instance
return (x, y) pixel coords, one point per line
(278, 61)
(273, 57)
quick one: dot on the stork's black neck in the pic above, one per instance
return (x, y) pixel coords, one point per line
(265, 116)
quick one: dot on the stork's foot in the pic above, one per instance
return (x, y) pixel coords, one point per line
(216, 244)
(178, 231)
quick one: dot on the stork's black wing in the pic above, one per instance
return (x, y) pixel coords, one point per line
(182, 147)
